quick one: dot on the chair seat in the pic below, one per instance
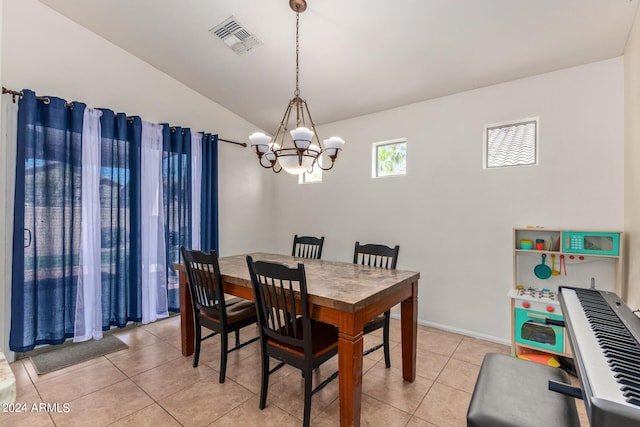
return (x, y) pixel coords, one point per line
(325, 338)
(230, 300)
(236, 312)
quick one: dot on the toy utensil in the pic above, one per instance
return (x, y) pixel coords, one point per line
(563, 264)
(553, 265)
(542, 270)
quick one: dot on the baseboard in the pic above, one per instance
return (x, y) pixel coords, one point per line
(459, 331)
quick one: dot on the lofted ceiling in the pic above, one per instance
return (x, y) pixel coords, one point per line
(356, 56)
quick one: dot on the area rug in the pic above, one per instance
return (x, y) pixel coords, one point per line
(74, 353)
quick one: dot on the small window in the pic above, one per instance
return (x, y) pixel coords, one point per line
(389, 158)
(511, 144)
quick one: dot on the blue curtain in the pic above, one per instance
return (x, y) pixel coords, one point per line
(46, 221)
(47, 216)
(209, 207)
(120, 218)
(176, 170)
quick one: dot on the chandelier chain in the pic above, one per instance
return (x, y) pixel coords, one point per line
(297, 92)
(306, 150)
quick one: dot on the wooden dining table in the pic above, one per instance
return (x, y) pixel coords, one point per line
(343, 294)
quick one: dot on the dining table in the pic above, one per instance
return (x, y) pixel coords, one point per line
(343, 294)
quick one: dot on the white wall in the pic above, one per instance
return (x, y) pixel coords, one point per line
(5, 238)
(46, 52)
(452, 219)
(632, 162)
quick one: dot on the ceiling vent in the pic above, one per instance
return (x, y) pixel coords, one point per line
(234, 35)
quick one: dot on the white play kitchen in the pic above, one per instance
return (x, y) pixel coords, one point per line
(544, 259)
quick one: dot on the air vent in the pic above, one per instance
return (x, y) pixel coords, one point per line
(234, 35)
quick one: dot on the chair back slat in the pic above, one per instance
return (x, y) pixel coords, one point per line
(281, 301)
(375, 255)
(307, 247)
(205, 282)
(280, 305)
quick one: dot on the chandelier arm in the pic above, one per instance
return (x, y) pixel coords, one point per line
(313, 127)
(280, 133)
(282, 129)
(300, 112)
(288, 114)
(310, 170)
(285, 118)
(263, 165)
(326, 169)
(277, 170)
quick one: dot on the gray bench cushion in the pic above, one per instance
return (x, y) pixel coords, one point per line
(513, 392)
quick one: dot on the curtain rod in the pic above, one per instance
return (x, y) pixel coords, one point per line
(244, 144)
(46, 100)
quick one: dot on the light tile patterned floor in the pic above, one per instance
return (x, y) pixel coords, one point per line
(151, 384)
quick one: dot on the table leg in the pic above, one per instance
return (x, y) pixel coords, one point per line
(350, 378)
(186, 316)
(409, 325)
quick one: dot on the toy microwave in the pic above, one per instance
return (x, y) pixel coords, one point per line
(595, 243)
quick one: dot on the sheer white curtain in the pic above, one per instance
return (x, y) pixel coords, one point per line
(154, 263)
(88, 316)
(196, 187)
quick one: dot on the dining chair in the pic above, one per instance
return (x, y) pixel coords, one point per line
(287, 333)
(210, 307)
(385, 257)
(307, 247)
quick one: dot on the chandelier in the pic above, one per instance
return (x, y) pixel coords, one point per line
(301, 151)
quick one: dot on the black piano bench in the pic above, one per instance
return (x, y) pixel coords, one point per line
(512, 392)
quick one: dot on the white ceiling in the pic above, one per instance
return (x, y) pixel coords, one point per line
(356, 56)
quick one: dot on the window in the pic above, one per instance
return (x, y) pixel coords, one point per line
(511, 144)
(389, 158)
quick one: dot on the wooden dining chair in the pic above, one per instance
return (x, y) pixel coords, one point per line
(287, 333)
(385, 257)
(211, 309)
(307, 247)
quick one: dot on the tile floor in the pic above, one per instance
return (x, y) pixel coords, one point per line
(152, 384)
